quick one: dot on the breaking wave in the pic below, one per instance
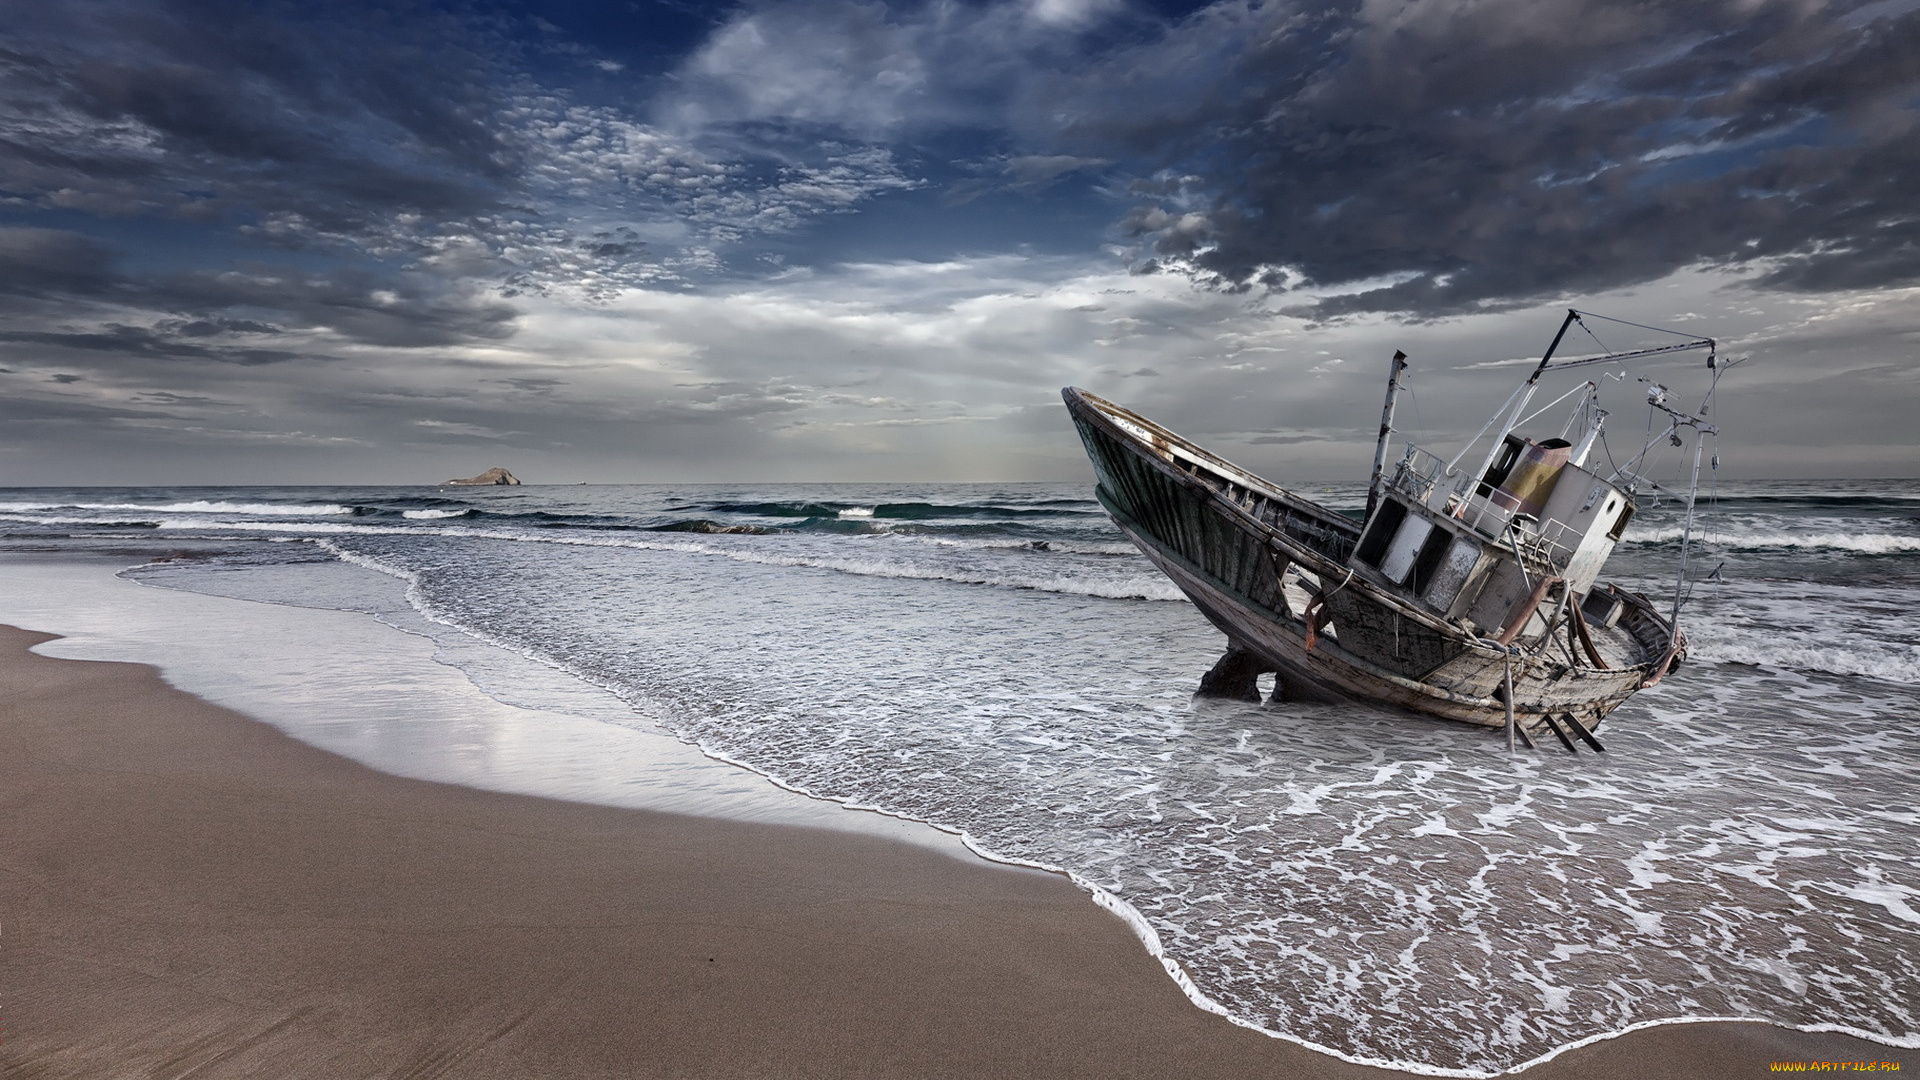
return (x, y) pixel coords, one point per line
(195, 507)
(1724, 643)
(1145, 585)
(906, 511)
(1759, 540)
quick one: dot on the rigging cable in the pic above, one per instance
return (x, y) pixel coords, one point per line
(1406, 387)
(1623, 322)
(1590, 333)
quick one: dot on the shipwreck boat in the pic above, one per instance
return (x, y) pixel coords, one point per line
(1467, 593)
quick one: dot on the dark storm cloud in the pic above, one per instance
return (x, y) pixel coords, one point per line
(390, 133)
(1428, 157)
(63, 274)
(37, 262)
(1485, 153)
(168, 397)
(145, 342)
(334, 119)
(402, 310)
(68, 410)
(354, 129)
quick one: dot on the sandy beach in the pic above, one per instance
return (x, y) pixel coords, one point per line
(186, 891)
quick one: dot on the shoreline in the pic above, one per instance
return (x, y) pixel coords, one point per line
(191, 889)
(383, 690)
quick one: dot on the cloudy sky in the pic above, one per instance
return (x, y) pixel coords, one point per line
(658, 240)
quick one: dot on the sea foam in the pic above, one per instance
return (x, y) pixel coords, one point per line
(1867, 543)
(200, 506)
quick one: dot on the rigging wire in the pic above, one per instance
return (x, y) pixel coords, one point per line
(1712, 514)
(1531, 417)
(1608, 450)
(1713, 498)
(1484, 428)
(1406, 387)
(1591, 334)
(1623, 322)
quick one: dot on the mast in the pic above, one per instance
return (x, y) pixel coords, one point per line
(1386, 428)
(1572, 317)
(1524, 395)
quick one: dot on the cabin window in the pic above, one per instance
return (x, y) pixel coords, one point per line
(1428, 561)
(1620, 523)
(1502, 465)
(1386, 522)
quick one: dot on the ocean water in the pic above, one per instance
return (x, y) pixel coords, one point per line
(998, 661)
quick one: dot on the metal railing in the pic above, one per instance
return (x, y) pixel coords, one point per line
(1425, 479)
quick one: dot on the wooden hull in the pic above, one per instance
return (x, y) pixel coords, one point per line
(1256, 560)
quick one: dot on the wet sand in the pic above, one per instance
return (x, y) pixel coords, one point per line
(185, 891)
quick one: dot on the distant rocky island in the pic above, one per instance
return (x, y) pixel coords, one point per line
(490, 478)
